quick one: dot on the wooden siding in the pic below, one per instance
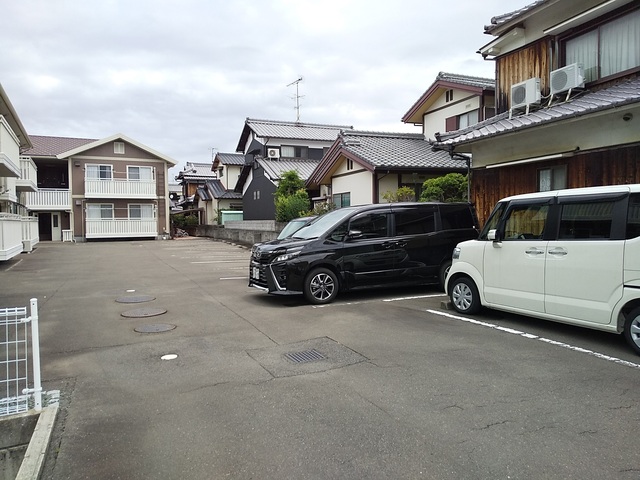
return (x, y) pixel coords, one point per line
(528, 62)
(611, 167)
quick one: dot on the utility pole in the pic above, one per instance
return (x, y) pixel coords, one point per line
(297, 97)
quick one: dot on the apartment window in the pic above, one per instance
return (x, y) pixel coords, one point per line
(99, 172)
(449, 96)
(99, 211)
(608, 49)
(142, 211)
(140, 173)
(342, 199)
(467, 119)
(118, 148)
(349, 164)
(554, 178)
(294, 152)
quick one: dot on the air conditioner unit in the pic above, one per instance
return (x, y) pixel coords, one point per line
(525, 93)
(273, 153)
(567, 78)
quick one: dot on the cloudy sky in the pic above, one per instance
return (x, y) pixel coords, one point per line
(182, 76)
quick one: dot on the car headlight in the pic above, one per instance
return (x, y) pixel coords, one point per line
(456, 253)
(286, 256)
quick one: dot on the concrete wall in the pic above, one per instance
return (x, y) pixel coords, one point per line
(243, 236)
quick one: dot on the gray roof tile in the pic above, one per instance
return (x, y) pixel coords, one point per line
(274, 168)
(295, 130)
(230, 158)
(216, 190)
(500, 20)
(196, 171)
(627, 92)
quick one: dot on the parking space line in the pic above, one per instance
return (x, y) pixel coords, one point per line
(531, 336)
(338, 304)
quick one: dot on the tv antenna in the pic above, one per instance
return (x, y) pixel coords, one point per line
(297, 97)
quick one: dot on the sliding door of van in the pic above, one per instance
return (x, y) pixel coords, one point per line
(514, 266)
(584, 272)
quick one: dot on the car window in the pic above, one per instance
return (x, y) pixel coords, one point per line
(525, 222)
(633, 217)
(494, 219)
(371, 225)
(454, 217)
(414, 221)
(589, 220)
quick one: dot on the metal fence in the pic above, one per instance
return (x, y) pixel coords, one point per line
(17, 347)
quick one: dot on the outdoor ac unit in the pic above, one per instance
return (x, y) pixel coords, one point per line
(525, 93)
(566, 78)
(273, 153)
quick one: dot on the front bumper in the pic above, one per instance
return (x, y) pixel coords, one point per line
(272, 278)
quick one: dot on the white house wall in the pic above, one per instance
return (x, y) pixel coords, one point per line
(358, 184)
(434, 119)
(387, 183)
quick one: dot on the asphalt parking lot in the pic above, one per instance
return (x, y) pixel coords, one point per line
(380, 384)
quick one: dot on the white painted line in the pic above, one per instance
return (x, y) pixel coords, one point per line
(234, 278)
(413, 298)
(531, 336)
(9, 268)
(218, 261)
(384, 300)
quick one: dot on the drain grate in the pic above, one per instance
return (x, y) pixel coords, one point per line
(305, 356)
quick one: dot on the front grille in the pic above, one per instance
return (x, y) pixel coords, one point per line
(261, 281)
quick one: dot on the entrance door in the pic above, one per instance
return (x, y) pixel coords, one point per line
(44, 226)
(56, 227)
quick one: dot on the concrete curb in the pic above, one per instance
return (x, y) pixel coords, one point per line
(37, 450)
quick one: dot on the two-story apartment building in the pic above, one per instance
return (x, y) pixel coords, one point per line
(271, 147)
(567, 98)
(18, 175)
(88, 189)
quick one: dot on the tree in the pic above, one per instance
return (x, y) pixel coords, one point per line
(291, 198)
(403, 194)
(289, 184)
(449, 188)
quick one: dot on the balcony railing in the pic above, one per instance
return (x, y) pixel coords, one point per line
(28, 180)
(30, 235)
(120, 189)
(49, 199)
(121, 228)
(10, 235)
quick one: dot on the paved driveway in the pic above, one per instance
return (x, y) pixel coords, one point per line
(380, 384)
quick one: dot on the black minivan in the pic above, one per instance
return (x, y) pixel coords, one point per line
(364, 246)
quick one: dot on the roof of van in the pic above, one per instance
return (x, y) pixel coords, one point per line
(576, 191)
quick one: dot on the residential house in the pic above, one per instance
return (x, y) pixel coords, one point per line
(362, 166)
(217, 195)
(191, 177)
(567, 98)
(18, 175)
(271, 147)
(90, 189)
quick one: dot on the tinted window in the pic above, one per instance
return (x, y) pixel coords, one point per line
(371, 225)
(633, 217)
(525, 222)
(456, 217)
(415, 221)
(586, 220)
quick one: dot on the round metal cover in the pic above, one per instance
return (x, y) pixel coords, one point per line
(154, 328)
(135, 299)
(144, 312)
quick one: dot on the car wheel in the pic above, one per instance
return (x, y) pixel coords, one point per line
(464, 295)
(321, 286)
(632, 329)
(444, 270)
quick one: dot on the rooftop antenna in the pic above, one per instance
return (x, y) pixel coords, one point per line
(297, 97)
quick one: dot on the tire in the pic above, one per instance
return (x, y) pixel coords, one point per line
(321, 286)
(632, 329)
(464, 296)
(442, 274)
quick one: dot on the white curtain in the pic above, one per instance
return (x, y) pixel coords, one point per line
(620, 44)
(584, 50)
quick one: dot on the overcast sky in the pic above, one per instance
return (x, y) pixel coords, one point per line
(181, 76)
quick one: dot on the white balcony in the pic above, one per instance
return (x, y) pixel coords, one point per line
(28, 181)
(121, 228)
(9, 151)
(10, 235)
(105, 188)
(48, 199)
(30, 234)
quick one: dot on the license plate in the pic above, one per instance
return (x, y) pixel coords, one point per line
(255, 273)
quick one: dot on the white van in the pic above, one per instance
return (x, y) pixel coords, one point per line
(570, 256)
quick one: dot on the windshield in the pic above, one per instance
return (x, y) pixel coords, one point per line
(292, 227)
(323, 224)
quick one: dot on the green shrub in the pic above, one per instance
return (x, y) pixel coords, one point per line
(292, 206)
(449, 188)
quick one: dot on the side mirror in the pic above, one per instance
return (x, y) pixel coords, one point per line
(354, 234)
(494, 235)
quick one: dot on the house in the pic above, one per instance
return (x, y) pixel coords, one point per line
(193, 176)
(362, 166)
(18, 175)
(217, 195)
(567, 99)
(271, 147)
(90, 189)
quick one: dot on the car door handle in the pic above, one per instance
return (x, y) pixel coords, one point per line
(534, 251)
(401, 244)
(558, 251)
(388, 244)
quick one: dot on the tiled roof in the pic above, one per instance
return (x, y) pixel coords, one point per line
(195, 171)
(396, 150)
(624, 93)
(217, 190)
(480, 82)
(230, 158)
(500, 20)
(52, 146)
(274, 168)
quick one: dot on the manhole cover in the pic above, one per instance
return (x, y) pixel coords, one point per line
(154, 328)
(135, 299)
(143, 312)
(305, 356)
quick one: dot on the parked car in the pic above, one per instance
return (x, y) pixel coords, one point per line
(364, 246)
(570, 256)
(294, 225)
